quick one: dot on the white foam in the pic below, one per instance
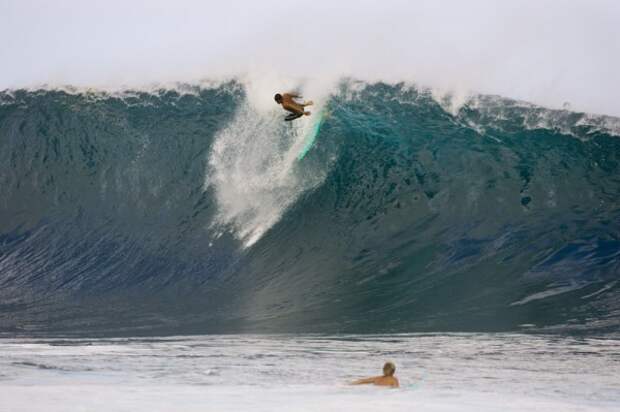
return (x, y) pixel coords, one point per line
(293, 398)
(253, 168)
(453, 372)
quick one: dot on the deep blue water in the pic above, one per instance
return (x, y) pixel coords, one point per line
(497, 216)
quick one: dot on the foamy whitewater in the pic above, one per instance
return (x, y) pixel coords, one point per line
(437, 372)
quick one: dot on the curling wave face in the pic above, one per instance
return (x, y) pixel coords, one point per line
(185, 210)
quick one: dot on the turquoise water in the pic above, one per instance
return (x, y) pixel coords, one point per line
(312, 134)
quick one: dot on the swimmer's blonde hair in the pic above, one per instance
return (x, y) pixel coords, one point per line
(389, 368)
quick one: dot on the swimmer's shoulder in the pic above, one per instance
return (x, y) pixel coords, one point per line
(387, 381)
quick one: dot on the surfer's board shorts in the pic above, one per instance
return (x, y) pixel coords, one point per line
(293, 116)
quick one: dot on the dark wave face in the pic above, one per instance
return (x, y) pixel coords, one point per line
(186, 211)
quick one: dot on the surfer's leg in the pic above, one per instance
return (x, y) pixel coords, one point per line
(293, 116)
(308, 103)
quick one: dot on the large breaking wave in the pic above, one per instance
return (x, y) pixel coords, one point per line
(185, 210)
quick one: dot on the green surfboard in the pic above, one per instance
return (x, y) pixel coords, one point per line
(310, 137)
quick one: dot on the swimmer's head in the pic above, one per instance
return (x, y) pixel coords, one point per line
(278, 98)
(388, 369)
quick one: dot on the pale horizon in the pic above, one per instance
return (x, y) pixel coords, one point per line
(528, 50)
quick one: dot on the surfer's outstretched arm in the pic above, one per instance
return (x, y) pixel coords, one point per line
(364, 381)
(388, 379)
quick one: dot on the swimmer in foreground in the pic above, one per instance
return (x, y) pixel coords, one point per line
(288, 103)
(388, 378)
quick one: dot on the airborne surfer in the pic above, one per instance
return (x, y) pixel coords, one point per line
(287, 100)
(388, 378)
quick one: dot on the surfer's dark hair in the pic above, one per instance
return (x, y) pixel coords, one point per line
(277, 97)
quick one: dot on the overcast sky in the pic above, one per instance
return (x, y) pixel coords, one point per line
(545, 51)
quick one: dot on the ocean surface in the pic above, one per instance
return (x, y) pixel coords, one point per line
(166, 250)
(437, 372)
(184, 210)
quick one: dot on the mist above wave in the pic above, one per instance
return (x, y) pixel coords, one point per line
(530, 50)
